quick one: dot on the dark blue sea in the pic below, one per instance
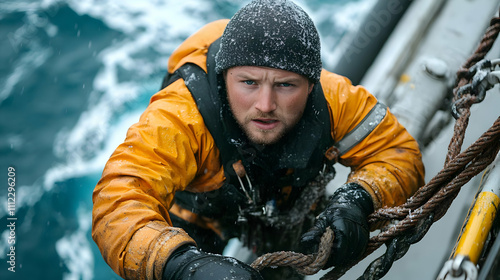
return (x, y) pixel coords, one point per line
(74, 75)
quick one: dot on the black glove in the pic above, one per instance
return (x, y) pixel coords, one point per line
(188, 262)
(347, 215)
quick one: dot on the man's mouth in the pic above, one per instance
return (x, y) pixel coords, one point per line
(265, 120)
(265, 124)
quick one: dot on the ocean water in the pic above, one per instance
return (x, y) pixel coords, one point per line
(74, 75)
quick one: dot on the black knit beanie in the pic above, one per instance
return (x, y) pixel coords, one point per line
(272, 33)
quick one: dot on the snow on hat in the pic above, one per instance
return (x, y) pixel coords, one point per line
(271, 33)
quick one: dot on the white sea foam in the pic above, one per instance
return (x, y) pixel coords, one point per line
(25, 37)
(75, 250)
(167, 18)
(78, 165)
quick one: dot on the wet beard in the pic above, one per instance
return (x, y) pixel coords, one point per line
(261, 139)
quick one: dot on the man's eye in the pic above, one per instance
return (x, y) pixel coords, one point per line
(249, 82)
(286, 85)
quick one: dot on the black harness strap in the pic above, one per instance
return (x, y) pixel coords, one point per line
(202, 87)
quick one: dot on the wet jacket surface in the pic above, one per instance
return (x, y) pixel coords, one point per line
(170, 149)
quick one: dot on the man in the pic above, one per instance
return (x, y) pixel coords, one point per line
(234, 146)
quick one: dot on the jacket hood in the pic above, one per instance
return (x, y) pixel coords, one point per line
(195, 48)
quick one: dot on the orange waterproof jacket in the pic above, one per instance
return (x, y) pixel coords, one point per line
(170, 150)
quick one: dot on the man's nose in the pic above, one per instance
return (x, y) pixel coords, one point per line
(266, 100)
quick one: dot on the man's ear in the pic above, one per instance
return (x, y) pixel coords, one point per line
(311, 86)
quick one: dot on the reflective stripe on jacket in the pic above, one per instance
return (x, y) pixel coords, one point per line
(170, 150)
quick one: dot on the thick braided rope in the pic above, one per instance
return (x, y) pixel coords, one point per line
(303, 264)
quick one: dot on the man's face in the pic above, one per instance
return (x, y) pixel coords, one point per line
(266, 102)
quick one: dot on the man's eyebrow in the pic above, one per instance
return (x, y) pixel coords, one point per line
(288, 80)
(247, 76)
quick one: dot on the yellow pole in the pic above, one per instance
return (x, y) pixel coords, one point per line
(483, 214)
(479, 225)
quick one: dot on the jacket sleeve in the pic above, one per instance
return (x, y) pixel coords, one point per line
(388, 162)
(168, 150)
